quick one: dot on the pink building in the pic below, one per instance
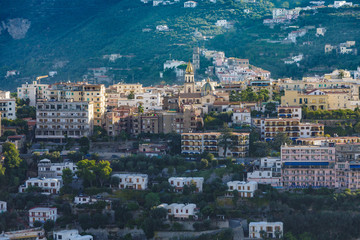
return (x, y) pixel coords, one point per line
(305, 166)
(348, 175)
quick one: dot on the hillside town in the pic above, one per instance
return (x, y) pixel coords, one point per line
(91, 161)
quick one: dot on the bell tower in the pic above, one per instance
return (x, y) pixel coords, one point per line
(189, 85)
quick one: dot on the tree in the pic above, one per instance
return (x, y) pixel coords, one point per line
(152, 199)
(225, 140)
(140, 108)
(67, 176)
(84, 144)
(12, 156)
(131, 95)
(260, 149)
(86, 171)
(204, 163)
(270, 108)
(102, 171)
(279, 140)
(357, 127)
(49, 225)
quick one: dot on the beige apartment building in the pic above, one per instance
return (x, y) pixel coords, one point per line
(197, 143)
(124, 89)
(57, 120)
(81, 92)
(329, 99)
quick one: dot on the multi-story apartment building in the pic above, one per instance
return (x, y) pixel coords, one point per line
(42, 214)
(124, 89)
(319, 141)
(267, 172)
(115, 93)
(118, 120)
(320, 99)
(197, 143)
(46, 169)
(132, 180)
(179, 182)
(57, 120)
(292, 127)
(305, 166)
(47, 185)
(151, 122)
(7, 108)
(3, 206)
(72, 234)
(347, 152)
(181, 211)
(245, 189)
(33, 92)
(149, 100)
(96, 95)
(261, 230)
(81, 92)
(289, 112)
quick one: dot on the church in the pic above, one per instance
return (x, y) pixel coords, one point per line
(193, 95)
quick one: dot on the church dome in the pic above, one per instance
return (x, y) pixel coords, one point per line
(207, 88)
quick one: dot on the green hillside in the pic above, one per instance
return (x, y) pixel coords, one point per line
(76, 34)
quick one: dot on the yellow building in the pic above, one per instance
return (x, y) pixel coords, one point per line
(324, 99)
(96, 93)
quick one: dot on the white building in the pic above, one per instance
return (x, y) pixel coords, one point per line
(7, 108)
(356, 73)
(5, 94)
(320, 31)
(48, 185)
(162, 28)
(245, 189)
(56, 120)
(82, 199)
(338, 4)
(241, 116)
(3, 206)
(12, 73)
(54, 170)
(190, 4)
(132, 180)
(33, 92)
(72, 234)
(182, 211)
(173, 64)
(268, 172)
(269, 229)
(149, 100)
(180, 182)
(42, 214)
(221, 23)
(157, 2)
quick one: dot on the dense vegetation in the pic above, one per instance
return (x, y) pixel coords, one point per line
(90, 29)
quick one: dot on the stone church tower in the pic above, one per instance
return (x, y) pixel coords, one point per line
(196, 58)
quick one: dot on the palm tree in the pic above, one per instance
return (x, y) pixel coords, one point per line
(225, 139)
